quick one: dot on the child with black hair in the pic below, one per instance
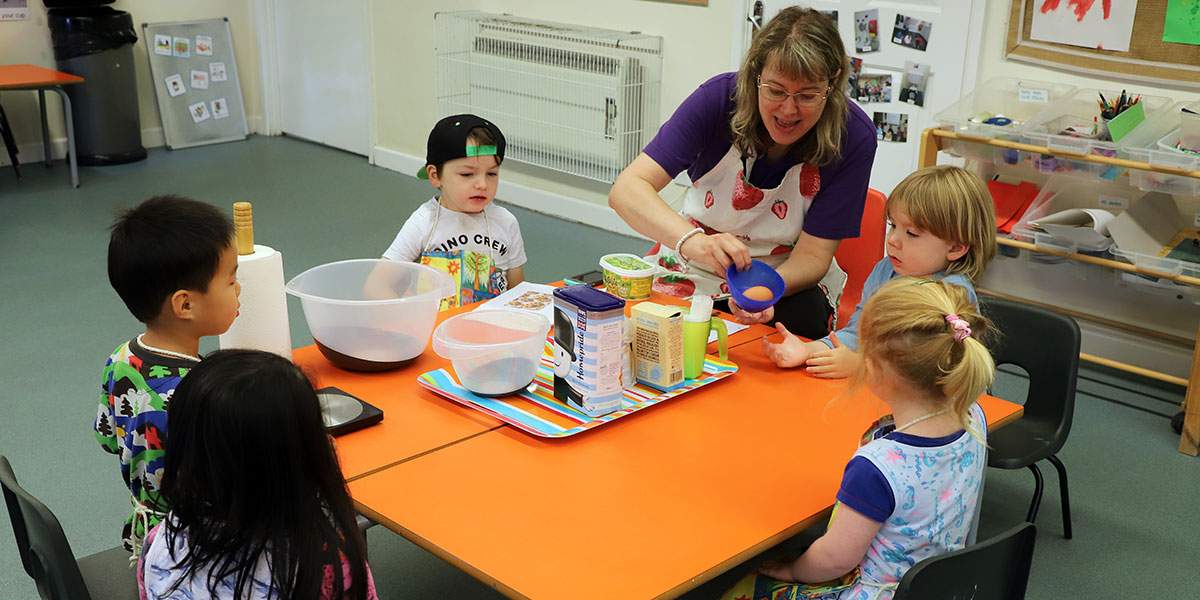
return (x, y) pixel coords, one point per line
(461, 231)
(173, 262)
(259, 508)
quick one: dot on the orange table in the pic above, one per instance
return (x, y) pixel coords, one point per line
(415, 420)
(650, 506)
(32, 77)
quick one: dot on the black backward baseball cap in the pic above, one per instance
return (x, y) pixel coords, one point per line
(448, 140)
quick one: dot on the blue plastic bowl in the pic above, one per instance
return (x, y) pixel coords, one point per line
(759, 273)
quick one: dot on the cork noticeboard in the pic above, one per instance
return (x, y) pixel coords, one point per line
(1149, 59)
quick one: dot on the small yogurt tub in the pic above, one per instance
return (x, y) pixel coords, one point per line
(627, 276)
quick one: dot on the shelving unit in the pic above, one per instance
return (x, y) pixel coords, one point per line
(933, 140)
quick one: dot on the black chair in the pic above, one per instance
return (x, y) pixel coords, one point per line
(1046, 345)
(46, 554)
(995, 569)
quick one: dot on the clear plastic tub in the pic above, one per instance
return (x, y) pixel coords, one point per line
(1079, 109)
(370, 314)
(493, 352)
(1156, 146)
(1064, 193)
(1016, 99)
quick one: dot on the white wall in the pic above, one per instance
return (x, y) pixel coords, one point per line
(29, 42)
(697, 45)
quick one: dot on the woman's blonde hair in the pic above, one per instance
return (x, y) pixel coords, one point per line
(805, 45)
(954, 205)
(905, 326)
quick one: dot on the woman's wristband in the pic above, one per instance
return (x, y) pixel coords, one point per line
(683, 238)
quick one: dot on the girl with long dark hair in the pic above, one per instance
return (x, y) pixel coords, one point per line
(259, 508)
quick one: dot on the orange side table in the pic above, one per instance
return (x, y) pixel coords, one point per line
(32, 77)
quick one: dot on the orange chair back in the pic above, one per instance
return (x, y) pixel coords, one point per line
(857, 256)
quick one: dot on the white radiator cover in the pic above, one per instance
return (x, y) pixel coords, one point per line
(578, 100)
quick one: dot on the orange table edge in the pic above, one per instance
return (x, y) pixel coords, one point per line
(535, 501)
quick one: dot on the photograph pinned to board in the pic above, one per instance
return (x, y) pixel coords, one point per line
(199, 112)
(213, 109)
(175, 85)
(852, 81)
(874, 88)
(891, 127)
(183, 47)
(199, 80)
(912, 84)
(14, 10)
(866, 30)
(162, 45)
(203, 45)
(220, 108)
(1181, 24)
(216, 72)
(912, 32)
(1086, 24)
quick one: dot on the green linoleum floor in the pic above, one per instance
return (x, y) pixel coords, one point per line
(1136, 501)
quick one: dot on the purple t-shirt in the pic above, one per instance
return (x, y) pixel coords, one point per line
(697, 136)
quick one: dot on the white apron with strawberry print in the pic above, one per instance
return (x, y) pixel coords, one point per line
(768, 221)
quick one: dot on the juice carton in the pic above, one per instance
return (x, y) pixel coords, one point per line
(588, 335)
(658, 344)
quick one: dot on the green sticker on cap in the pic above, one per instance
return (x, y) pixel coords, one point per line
(481, 150)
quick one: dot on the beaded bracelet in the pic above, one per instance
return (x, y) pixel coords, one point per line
(684, 238)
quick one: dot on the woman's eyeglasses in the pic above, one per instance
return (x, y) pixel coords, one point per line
(773, 93)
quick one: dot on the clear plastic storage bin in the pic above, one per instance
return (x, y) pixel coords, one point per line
(1064, 193)
(1156, 146)
(1079, 109)
(1016, 99)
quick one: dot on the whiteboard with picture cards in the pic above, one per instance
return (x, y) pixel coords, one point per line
(195, 82)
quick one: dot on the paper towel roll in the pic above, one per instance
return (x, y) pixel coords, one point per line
(262, 322)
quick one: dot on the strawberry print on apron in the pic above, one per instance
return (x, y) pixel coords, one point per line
(768, 221)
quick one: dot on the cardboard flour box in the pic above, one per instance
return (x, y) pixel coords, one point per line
(589, 330)
(658, 344)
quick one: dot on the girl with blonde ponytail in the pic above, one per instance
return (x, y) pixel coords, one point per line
(913, 489)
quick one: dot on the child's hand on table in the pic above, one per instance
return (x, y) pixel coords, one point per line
(790, 352)
(839, 362)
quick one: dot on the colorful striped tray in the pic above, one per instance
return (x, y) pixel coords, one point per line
(539, 413)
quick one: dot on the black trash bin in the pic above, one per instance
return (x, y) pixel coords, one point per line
(96, 43)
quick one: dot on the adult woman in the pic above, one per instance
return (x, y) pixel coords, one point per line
(780, 162)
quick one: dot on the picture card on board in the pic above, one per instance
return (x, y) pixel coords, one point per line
(183, 47)
(204, 45)
(175, 85)
(199, 112)
(162, 45)
(216, 72)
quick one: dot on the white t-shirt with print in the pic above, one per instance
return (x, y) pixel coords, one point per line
(433, 227)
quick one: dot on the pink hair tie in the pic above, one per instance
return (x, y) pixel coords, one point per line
(962, 329)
